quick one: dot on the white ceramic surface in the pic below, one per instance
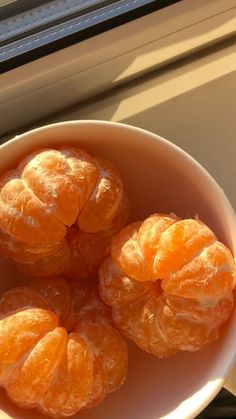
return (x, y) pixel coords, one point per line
(159, 177)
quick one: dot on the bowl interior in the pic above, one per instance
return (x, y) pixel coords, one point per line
(158, 177)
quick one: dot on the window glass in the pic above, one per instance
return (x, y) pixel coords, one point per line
(30, 29)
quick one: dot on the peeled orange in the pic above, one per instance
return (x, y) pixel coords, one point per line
(170, 284)
(59, 351)
(58, 206)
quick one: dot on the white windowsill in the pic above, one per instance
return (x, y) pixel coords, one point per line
(192, 105)
(109, 60)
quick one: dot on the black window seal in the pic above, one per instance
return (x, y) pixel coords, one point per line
(75, 30)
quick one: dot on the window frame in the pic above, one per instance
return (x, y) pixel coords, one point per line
(53, 35)
(80, 72)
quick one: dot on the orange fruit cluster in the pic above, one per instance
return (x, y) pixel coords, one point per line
(170, 284)
(59, 352)
(56, 208)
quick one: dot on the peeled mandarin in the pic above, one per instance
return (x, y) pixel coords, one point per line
(170, 284)
(59, 350)
(59, 210)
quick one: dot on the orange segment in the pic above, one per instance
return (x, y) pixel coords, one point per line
(79, 295)
(8, 176)
(140, 321)
(24, 252)
(126, 316)
(21, 331)
(47, 159)
(103, 203)
(179, 244)
(94, 311)
(29, 381)
(77, 268)
(215, 310)
(99, 385)
(88, 251)
(25, 217)
(21, 298)
(126, 255)
(150, 233)
(82, 171)
(54, 263)
(71, 384)
(46, 175)
(107, 344)
(117, 288)
(56, 291)
(93, 247)
(149, 334)
(121, 217)
(212, 273)
(186, 332)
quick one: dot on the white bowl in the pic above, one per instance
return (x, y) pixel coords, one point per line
(159, 177)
